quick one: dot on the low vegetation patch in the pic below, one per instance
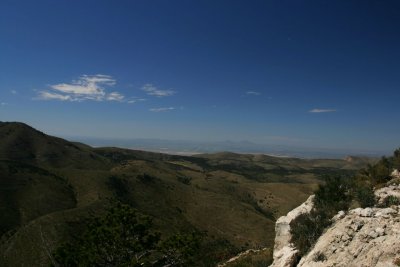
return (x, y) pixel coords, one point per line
(124, 237)
(364, 194)
(329, 199)
(319, 256)
(146, 178)
(390, 201)
(184, 180)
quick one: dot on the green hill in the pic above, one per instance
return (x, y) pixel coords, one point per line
(49, 186)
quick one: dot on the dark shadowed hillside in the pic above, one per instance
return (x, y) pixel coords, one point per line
(49, 186)
(22, 143)
(28, 192)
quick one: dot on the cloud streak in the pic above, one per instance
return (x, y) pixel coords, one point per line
(154, 91)
(253, 93)
(87, 87)
(115, 96)
(318, 110)
(134, 100)
(53, 96)
(162, 109)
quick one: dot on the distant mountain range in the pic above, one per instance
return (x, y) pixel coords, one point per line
(184, 147)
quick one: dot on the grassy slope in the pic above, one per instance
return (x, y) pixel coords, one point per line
(232, 197)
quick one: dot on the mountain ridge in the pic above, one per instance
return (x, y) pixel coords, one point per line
(225, 195)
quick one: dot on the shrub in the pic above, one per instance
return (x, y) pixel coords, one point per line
(184, 180)
(179, 249)
(307, 228)
(319, 256)
(146, 178)
(396, 159)
(120, 187)
(382, 170)
(333, 196)
(124, 237)
(390, 201)
(365, 196)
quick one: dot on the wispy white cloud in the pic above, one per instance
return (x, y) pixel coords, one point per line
(134, 100)
(162, 109)
(317, 110)
(115, 96)
(253, 93)
(87, 87)
(53, 96)
(3, 104)
(154, 91)
(14, 92)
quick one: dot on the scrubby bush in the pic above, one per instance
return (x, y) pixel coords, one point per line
(390, 201)
(330, 198)
(184, 180)
(319, 256)
(124, 237)
(178, 250)
(396, 159)
(146, 178)
(380, 173)
(365, 196)
(307, 228)
(334, 195)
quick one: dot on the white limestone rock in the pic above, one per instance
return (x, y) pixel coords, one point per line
(357, 238)
(383, 193)
(285, 255)
(363, 237)
(395, 174)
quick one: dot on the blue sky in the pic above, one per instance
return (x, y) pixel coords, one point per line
(301, 73)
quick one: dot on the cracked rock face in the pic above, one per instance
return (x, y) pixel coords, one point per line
(383, 193)
(357, 238)
(285, 254)
(363, 237)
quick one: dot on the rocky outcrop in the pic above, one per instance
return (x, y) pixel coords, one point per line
(359, 237)
(395, 174)
(382, 195)
(363, 237)
(285, 254)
